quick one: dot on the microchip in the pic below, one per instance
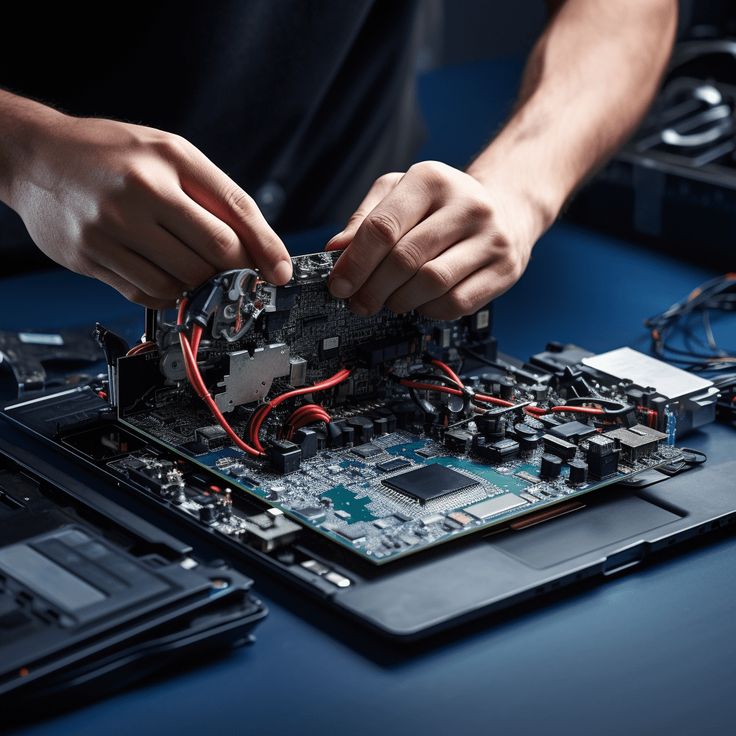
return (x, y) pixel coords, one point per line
(211, 437)
(572, 431)
(367, 450)
(637, 441)
(350, 533)
(429, 482)
(315, 514)
(390, 465)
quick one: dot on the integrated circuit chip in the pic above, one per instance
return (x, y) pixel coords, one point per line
(396, 464)
(367, 450)
(429, 482)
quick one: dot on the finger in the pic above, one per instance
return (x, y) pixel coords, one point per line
(129, 291)
(437, 276)
(218, 193)
(170, 254)
(213, 240)
(468, 296)
(139, 271)
(402, 208)
(380, 188)
(431, 237)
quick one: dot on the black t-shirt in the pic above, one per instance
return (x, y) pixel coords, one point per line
(302, 102)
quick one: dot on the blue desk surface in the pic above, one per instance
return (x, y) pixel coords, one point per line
(653, 652)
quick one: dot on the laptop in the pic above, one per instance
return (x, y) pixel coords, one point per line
(410, 516)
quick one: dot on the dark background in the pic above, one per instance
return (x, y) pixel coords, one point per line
(460, 35)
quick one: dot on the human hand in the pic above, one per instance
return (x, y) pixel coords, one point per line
(138, 208)
(434, 239)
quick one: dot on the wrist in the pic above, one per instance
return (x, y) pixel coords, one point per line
(512, 173)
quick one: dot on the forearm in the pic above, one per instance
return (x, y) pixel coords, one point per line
(587, 84)
(20, 121)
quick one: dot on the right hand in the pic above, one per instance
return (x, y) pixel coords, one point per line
(140, 209)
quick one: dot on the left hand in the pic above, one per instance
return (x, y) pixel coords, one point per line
(433, 239)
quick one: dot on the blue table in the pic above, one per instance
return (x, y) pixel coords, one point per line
(653, 652)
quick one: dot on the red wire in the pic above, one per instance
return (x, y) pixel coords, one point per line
(141, 347)
(260, 415)
(448, 371)
(304, 415)
(538, 410)
(454, 391)
(197, 382)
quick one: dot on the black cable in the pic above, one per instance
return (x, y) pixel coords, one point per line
(716, 295)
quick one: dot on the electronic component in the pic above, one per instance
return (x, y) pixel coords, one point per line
(367, 416)
(562, 448)
(211, 437)
(572, 431)
(270, 530)
(602, 456)
(429, 482)
(351, 533)
(363, 428)
(692, 397)
(495, 505)
(578, 472)
(550, 466)
(636, 442)
(285, 456)
(367, 450)
(391, 465)
(460, 517)
(297, 371)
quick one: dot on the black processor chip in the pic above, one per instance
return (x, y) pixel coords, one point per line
(429, 482)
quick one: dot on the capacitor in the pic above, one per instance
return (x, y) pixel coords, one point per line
(578, 472)
(538, 391)
(550, 467)
(527, 437)
(506, 388)
(208, 513)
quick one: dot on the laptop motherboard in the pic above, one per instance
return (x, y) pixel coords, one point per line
(362, 429)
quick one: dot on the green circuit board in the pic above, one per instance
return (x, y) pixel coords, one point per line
(348, 497)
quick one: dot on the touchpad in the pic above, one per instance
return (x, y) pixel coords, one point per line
(587, 530)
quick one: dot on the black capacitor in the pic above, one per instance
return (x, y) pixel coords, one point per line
(348, 434)
(550, 467)
(529, 442)
(578, 472)
(490, 426)
(363, 428)
(527, 437)
(306, 440)
(506, 388)
(538, 391)
(390, 418)
(335, 435)
(380, 425)
(208, 513)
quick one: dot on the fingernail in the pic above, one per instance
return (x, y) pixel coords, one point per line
(334, 237)
(341, 288)
(282, 272)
